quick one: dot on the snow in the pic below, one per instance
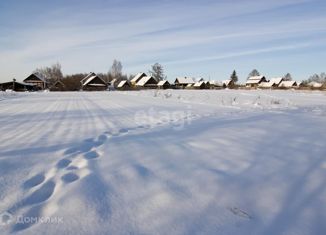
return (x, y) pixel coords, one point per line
(163, 162)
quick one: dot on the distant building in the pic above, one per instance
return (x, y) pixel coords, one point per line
(255, 81)
(17, 86)
(164, 84)
(288, 84)
(228, 83)
(137, 78)
(124, 85)
(147, 82)
(58, 86)
(315, 84)
(200, 85)
(92, 82)
(37, 80)
(183, 82)
(275, 82)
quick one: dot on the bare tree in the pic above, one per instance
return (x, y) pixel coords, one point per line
(157, 72)
(50, 74)
(116, 69)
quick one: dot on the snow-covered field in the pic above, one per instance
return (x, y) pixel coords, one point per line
(163, 162)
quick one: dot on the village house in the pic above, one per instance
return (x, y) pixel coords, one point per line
(228, 83)
(124, 85)
(137, 78)
(273, 83)
(37, 80)
(315, 84)
(58, 86)
(92, 82)
(17, 86)
(147, 82)
(183, 82)
(288, 84)
(200, 85)
(164, 84)
(255, 81)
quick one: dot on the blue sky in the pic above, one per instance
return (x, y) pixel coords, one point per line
(189, 38)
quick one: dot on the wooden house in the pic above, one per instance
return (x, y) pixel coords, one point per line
(200, 85)
(164, 84)
(275, 82)
(288, 84)
(315, 84)
(17, 86)
(229, 83)
(137, 78)
(92, 82)
(147, 82)
(124, 85)
(37, 80)
(183, 82)
(255, 81)
(58, 86)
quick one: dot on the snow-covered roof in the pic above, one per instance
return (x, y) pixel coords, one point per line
(87, 77)
(266, 84)
(122, 83)
(138, 76)
(185, 80)
(144, 80)
(226, 82)
(255, 79)
(315, 84)
(163, 82)
(94, 84)
(288, 84)
(37, 75)
(198, 84)
(276, 81)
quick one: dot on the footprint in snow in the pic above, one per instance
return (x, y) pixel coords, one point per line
(40, 195)
(34, 181)
(91, 155)
(72, 168)
(69, 177)
(63, 163)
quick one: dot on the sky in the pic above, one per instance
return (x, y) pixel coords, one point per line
(207, 38)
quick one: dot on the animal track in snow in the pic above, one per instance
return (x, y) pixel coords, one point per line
(40, 195)
(34, 181)
(91, 155)
(63, 163)
(69, 177)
